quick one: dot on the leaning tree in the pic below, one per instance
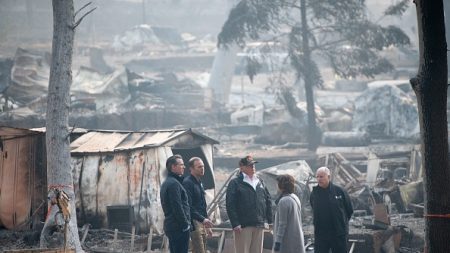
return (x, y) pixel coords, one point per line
(430, 87)
(60, 227)
(337, 31)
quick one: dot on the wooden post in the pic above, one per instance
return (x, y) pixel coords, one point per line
(352, 248)
(115, 238)
(221, 242)
(166, 244)
(86, 230)
(65, 235)
(133, 231)
(149, 241)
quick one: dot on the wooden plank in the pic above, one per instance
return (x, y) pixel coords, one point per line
(349, 166)
(86, 230)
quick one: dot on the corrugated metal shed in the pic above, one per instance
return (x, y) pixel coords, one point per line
(123, 168)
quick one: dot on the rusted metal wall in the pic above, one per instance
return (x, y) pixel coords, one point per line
(115, 179)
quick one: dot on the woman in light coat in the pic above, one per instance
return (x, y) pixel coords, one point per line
(287, 229)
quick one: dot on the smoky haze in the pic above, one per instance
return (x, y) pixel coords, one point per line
(24, 21)
(30, 21)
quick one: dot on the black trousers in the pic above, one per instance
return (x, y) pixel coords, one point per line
(337, 244)
(178, 241)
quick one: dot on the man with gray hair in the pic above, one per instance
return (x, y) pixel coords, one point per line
(332, 210)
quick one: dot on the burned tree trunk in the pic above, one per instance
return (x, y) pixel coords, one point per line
(430, 87)
(447, 27)
(59, 174)
(313, 133)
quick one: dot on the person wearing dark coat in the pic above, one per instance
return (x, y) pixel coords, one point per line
(175, 205)
(332, 210)
(194, 188)
(249, 208)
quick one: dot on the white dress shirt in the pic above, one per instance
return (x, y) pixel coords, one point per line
(253, 181)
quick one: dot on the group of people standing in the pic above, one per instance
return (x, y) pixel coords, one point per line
(249, 208)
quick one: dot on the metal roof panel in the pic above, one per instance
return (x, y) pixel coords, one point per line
(98, 142)
(111, 141)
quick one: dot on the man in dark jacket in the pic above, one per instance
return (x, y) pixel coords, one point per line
(332, 210)
(194, 188)
(175, 204)
(249, 208)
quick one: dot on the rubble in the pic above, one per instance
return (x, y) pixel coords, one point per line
(385, 112)
(29, 76)
(139, 35)
(344, 139)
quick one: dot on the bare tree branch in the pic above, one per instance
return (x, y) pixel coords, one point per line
(81, 19)
(71, 131)
(84, 6)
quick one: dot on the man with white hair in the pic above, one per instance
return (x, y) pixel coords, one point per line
(332, 210)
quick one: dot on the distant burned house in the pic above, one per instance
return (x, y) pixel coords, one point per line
(118, 174)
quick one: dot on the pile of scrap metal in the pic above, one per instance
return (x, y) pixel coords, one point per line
(382, 187)
(384, 109)
(136, 38)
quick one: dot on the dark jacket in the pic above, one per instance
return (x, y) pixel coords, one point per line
(246, 206)
(196, 193)
(339, 209)
(175, 204)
